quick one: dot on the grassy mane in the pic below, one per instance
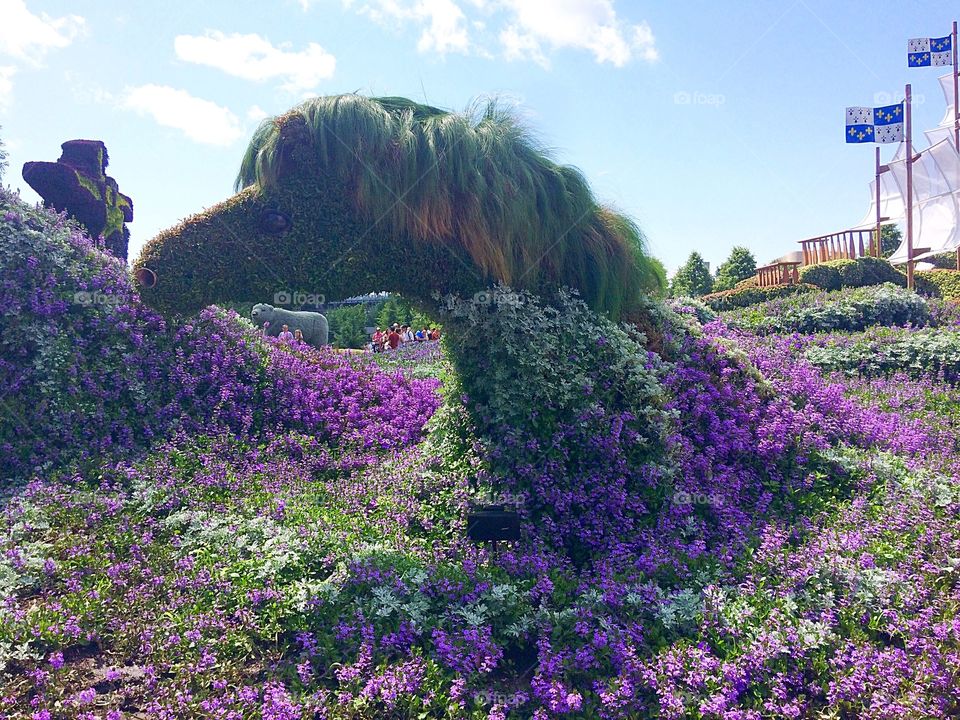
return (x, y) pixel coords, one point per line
(477, 180)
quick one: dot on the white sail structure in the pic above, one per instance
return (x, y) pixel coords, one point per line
(936, 190)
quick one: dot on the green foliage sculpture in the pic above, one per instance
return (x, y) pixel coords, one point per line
(344, 194)
(78, 184)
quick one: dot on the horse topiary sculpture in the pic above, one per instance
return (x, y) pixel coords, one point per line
(344, 195)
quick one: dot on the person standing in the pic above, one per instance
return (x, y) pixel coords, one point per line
(393, 339)
(285, 335)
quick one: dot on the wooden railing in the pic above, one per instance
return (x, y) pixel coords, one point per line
(848, 244)
(778, 273)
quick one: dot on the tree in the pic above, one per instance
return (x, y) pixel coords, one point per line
(394, 310)
(397, 309)
(693, 278)
(739, 266)
(659, 272)
(347, 326)
(890, 238)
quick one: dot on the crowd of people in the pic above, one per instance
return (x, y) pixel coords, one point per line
(398, 335)
(381, 341)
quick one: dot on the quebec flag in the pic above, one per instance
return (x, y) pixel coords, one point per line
(926, 52)
(882, 124)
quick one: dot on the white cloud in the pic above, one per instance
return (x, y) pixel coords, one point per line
(590, 25)
(28, 37)
(87, 92)
(447, 31)
(200, 120)
(253, 57)
(256, 113)
(6, 85)
(521, 46)
(645, 43)
(525, 29)
(443, 22)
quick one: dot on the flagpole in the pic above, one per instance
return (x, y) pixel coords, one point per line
(956, 99)
(877, 183)
(909, 190)
(956, 106)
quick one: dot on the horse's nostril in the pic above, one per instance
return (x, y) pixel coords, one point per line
(145, 277)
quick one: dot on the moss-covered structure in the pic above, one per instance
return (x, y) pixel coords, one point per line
(78, 184)
(347, 194)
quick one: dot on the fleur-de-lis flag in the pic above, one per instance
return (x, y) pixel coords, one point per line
(927, 52)
(882, 124)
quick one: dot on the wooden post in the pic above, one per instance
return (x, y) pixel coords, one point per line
(956, 97)
(907, 94)
(956, 106)
(877, 183)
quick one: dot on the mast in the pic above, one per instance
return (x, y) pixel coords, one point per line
(909, 191)
(956, 105)
(876, 250)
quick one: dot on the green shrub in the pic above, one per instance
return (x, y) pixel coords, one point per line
(852, 273)
(919, 353)
(751, 295)
(876, 271)
(824, 275)
(847, 310)
(946, 282)
(693, 306)
(844, 273)
(943, 261)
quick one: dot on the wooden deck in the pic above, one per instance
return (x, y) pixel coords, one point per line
(845, 245)
(779, 273)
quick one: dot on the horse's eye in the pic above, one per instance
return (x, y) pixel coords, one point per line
(274, 222)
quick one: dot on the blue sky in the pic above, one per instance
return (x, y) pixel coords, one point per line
(711, 124)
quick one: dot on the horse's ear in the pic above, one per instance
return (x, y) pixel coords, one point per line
(293, 141)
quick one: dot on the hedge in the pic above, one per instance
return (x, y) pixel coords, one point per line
(943, 261)
(849, 310)
(919, 353)
(946, 282)
(862, 272)
(742, 297)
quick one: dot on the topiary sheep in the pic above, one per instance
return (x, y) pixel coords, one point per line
(313, 325)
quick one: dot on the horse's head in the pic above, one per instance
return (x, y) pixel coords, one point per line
(346, 194)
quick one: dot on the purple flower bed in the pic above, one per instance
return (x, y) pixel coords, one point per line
(88, 371)
(224, 526)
